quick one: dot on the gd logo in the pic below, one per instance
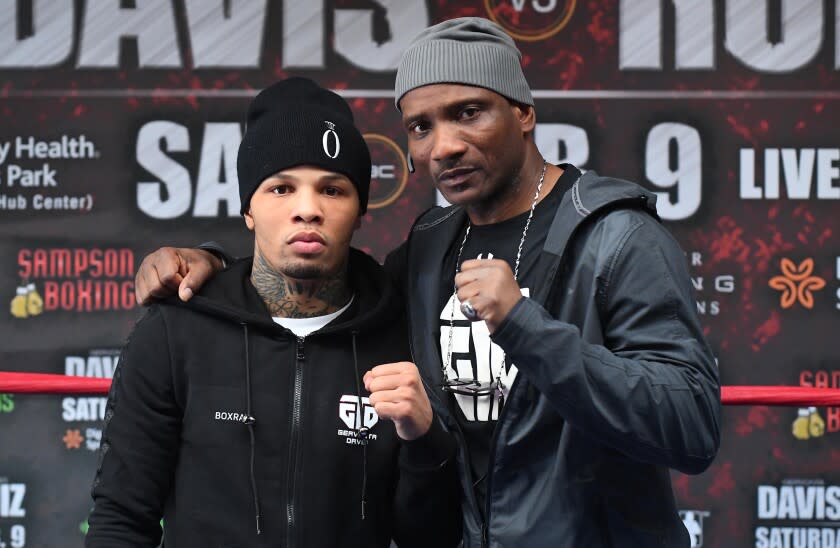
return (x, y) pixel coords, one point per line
(531, 20)
(354, 415)
(388, 170)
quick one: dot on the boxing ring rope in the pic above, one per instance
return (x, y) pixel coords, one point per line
(45, 383)
(794, 396)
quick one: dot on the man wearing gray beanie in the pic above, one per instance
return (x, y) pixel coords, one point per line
(551, 312)
(572, 365)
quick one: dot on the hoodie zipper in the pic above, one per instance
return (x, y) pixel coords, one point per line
(294, 432)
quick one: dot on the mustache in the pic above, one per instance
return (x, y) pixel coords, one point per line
(446, 165)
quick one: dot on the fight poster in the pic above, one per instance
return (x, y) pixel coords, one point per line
(119, 128)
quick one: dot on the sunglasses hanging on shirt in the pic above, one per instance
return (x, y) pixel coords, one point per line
(474, 387)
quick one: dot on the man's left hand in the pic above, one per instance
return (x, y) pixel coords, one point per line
(397, 394)
(490, 287)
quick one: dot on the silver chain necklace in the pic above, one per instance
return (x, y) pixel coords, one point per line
(448, 361)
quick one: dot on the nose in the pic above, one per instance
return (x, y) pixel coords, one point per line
(307, 206)
(447, 143)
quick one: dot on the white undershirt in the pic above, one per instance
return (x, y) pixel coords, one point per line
(304, 326)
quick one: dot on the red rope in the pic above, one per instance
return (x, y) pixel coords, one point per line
(44, 383)
(796, 396)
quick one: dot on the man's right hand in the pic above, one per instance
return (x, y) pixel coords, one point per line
(171, 269)
(397, 394)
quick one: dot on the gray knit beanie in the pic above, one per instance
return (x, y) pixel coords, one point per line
(468, 50)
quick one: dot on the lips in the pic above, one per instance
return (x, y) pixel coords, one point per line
(307, 243)
(455, 176)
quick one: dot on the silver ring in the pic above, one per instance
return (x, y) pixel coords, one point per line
(468, 311)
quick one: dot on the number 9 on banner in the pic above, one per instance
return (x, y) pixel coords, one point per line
(17, 537)
(673, 160)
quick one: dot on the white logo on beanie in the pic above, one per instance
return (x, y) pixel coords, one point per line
(325, 140)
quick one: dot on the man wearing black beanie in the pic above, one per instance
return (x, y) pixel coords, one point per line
(240, 417)
(296, 122)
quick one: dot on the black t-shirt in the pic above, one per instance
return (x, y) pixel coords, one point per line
(474, 355)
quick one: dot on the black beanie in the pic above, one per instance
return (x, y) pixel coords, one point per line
(296, 122)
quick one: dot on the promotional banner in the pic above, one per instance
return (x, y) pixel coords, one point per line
(119, 129)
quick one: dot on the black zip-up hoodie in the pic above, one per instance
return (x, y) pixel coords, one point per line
(240, 434)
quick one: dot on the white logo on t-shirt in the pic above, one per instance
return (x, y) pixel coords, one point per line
(489, 361)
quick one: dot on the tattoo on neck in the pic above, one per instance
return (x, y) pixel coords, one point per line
(291, 298)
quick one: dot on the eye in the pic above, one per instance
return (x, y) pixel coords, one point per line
(280, 189)
(469, 112)
(332, 191)
(418, 128)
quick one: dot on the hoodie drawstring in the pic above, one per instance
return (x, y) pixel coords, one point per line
(249, 422)
(363, 430)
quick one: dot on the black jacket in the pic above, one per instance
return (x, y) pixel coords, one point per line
(217, 415)
(616, 382)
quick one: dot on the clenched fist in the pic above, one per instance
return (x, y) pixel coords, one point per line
(397, 394)
(490, 288)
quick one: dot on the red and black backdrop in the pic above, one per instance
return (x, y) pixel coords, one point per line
(120, 122)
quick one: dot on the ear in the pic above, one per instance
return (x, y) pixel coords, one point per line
(526, 115)
(249, 220)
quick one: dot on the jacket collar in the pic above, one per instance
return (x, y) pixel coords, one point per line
(590, 196)
(425, 270)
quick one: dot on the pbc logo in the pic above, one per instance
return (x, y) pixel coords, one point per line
(348, 412)
(388, 170)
